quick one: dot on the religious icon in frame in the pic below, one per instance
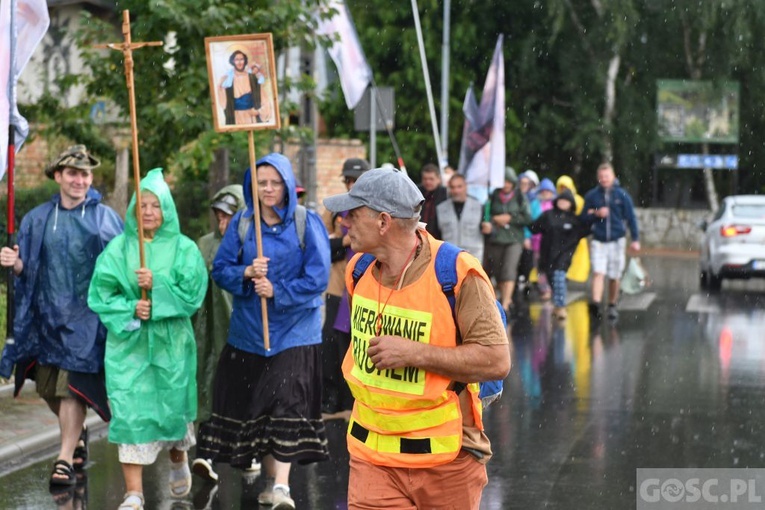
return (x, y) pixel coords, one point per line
(243, 87)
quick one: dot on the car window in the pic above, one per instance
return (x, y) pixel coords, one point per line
(749, 211)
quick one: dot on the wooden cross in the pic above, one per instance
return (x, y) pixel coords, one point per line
(127, 48)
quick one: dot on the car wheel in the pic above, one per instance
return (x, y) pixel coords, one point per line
(714, 282)
(703, 280)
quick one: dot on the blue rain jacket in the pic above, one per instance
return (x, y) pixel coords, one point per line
(299, 276)
(58, 328)
(619, 203)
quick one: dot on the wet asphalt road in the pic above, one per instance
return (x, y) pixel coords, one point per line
(679, 381)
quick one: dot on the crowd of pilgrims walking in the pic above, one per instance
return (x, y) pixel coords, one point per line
(165, 337)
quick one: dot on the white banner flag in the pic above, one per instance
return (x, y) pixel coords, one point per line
(482, 157)
(23, 24)
(352, 68)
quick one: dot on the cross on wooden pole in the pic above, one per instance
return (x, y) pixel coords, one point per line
(127, 48)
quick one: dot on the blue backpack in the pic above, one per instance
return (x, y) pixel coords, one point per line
(446, 273)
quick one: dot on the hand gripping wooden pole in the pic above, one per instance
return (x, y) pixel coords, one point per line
(127, 48)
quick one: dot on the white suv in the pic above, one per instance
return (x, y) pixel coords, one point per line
(733, 243)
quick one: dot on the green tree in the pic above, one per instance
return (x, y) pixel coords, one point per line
(388, 37)
(171, 84)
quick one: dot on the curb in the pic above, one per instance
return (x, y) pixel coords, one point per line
(6, 391)
(41, 441)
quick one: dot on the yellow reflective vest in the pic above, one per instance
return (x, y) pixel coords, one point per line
(404, 417)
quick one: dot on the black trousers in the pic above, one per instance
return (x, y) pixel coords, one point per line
(336, 394)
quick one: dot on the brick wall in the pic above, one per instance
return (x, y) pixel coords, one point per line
(30, 164)
(330, 155)
(35, 155)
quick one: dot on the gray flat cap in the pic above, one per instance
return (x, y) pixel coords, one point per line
(383, 190)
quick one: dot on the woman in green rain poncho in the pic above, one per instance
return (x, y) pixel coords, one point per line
(150, 349)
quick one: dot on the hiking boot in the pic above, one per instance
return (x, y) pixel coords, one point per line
(281, 499)
(613, 313)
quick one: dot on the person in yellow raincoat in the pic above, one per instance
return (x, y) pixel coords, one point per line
(580, 264)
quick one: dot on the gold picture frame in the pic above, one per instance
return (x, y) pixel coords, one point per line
(243, 88)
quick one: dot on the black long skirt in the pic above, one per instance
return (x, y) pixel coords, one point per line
(265, 405)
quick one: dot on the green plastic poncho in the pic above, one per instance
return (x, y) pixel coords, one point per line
(212, 320)
(150, 365)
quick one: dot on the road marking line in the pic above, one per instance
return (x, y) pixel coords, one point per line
(636, 302)
(703, 303)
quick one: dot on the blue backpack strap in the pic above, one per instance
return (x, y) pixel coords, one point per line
(446, 273)
(362, 264)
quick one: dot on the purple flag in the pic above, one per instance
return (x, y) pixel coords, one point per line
(482, 156)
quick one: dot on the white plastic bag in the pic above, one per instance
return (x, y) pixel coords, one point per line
(635, 277)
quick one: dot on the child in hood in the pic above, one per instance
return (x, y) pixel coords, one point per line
(561, 231)
(545, 193)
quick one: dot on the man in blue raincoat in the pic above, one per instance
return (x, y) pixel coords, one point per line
(59, 341)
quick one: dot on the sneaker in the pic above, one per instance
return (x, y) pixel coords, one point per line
(281, 498)
(203, 468)
(132, 501)
(180, 479)
(613, 313)
(595, 309)
(255, 466)
(267, 496)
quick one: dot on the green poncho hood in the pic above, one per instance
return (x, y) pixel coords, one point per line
(154, 183)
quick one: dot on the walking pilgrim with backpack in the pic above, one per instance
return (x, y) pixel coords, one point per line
(414, 366)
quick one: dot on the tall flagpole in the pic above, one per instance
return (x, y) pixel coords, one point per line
(10, 308)
(428, 88)
(445, 43)
(127, 48)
